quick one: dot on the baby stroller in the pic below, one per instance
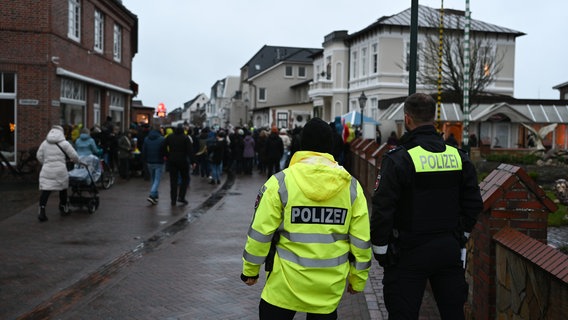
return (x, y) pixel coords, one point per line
(83, 181)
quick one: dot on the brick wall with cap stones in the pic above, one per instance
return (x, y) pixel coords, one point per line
(512, 200)
(531, 278)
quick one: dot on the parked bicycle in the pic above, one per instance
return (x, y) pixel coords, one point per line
(27, 164)
(107, 175)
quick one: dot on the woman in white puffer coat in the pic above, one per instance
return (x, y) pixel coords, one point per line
(53, 175)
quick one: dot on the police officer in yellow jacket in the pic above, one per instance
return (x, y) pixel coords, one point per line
(425, 204)
(315, 214)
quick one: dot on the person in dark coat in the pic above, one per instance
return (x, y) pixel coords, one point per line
(217, 151)
(451, 140)
(153, 157)
(260, 145)
(248, 153)
(274, 149)
(237, 147)
(179, 153)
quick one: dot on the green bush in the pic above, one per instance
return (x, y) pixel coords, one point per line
(556, 219)
(513, 158)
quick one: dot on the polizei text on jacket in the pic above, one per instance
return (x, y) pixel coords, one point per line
(321, 215)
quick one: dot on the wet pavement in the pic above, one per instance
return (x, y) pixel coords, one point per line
(131, 260)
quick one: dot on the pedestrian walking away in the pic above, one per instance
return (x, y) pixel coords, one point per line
(310, 229)
(179, 154)
(425, 204)
(217, 151)
(153, 154)
(52, 154)
(273, 151)
(248, 153)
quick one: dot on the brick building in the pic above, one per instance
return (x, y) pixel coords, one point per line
(66, 62)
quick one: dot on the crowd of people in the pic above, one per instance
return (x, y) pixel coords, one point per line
(185, 151)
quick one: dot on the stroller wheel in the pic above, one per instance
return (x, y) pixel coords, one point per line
(97, 202)
(64, 209)
(92, 206)
(107, 180)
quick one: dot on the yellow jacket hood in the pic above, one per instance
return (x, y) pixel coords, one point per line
(318, 175)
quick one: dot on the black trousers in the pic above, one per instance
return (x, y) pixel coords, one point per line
(178, 189)
(438, 261)
(268, 311)
(272, 167)
(44, 196)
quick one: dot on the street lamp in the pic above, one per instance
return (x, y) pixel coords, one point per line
(362, 102)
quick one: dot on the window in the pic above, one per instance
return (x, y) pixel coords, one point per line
(72, 90)
(328, 68)
(261, 94)
(8, 115)
(364, 62)
(97, 106)
(374, 108)
(484, 57)
(72, 102)
(99, 31)
(117, 48)
(419, 49)
(282, 120)
(117, 108)
(301, 72)
(74, 28)
(354, 69)
(375, 58)
(289, 71)
(7, 82)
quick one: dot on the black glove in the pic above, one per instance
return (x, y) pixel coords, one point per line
(389, 258)
(245, 278)
(382, 259)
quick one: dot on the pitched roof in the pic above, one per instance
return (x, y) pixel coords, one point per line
(505, 176)
(453, 20)
(269, 56)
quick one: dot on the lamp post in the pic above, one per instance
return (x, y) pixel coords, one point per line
(362, 102)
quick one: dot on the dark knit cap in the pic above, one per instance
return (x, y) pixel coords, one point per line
(317, 136)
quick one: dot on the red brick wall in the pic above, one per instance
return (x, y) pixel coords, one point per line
(32, 32)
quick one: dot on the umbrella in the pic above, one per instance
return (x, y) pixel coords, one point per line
(354, 118)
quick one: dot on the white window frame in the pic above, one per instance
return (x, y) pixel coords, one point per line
(282, 119)
(262, 94)
(289, 74)
(301, 72)
(99, 40)
(117, 43)
(354, 70)
(117, 108)
(97, 106)
(363, 62)
(73, 91)
(74, 20)
(375, 59)
(419, 61)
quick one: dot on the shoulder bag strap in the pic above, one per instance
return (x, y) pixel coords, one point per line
(65, 153)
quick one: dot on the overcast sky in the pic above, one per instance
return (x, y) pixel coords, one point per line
(187, 45)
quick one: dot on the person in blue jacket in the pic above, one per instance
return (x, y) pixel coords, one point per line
(85, 144)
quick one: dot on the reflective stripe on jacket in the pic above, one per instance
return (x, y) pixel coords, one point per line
(321, 215)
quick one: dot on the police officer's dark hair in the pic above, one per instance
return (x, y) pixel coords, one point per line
(420, 107)
(316, 136)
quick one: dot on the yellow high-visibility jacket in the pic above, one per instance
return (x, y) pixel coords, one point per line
(321, 215)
